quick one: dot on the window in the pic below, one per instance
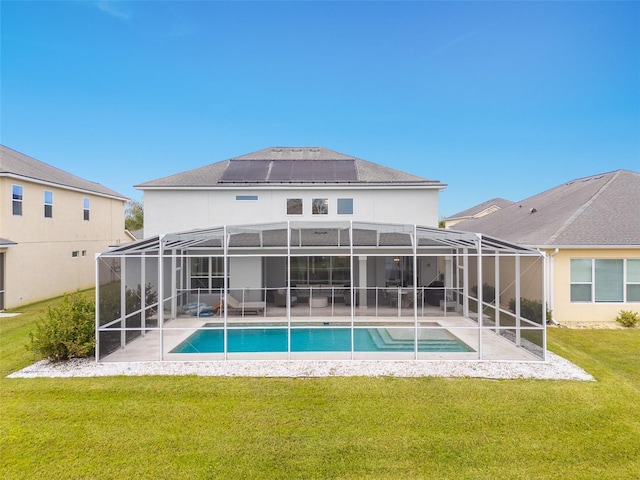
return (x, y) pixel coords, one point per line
(320, 270)
(16, 197)
(48, 204)
(75, 253)
(345, 206)
(320, 206)
(86, 208)
(84, 253)
(605, 281)
(246, 197)
(581, 280)
(207, 273)
(294, 206)
(633, 280)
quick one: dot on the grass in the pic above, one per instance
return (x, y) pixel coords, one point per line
(190, 427)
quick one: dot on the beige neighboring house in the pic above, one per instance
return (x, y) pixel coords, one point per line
(485, 208)
(52, 225)
(589, 229)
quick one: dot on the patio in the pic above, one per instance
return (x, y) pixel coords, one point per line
(402, 282)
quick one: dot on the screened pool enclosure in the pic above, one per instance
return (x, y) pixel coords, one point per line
(301, 290)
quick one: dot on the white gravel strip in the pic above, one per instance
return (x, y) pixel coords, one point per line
(555, 368)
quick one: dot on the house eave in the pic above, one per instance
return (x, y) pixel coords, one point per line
(62, 186)
(297, 186)
(585, 247)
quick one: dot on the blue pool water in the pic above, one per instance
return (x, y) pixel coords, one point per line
(326, 339)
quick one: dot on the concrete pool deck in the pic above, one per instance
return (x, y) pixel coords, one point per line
(147, 347)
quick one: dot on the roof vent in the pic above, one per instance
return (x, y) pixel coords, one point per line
(533, 210)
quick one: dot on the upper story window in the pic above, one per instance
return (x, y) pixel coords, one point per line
(345, 206)
(294, 206)
(604, 280)
(85, 207)
(320, 206)
(16, 199)
(246, 197)
(48, 204)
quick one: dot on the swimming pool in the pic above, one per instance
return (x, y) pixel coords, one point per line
(325, 339)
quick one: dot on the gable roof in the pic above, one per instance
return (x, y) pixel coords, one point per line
(475, 210)
(601, 210)
(290, 165)
(18, 165)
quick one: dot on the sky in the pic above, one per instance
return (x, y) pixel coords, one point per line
(494, 99)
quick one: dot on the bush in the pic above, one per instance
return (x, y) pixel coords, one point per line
(627, 318)
(530, 309)
(488, 293)
(67, 331)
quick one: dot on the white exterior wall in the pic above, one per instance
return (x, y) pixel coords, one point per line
(167, 211)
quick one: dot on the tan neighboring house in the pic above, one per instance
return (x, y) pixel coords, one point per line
(52, 224)
(589, 229)
(485, 208)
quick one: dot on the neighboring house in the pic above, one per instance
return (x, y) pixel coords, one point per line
(285, 183)
(485, 208)
(589, 229)
(52, 225)
(287, 243)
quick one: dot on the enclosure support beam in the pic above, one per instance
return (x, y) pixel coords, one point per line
(161, 294)
(415, 290)
(497, 292)
(517, 299)
(480, 296)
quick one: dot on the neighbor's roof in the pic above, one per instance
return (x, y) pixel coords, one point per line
(15, 164)
(601, 210)
(290, 165)
(470, 212)
(5, 242)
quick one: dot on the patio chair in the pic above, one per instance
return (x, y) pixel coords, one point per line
(280, 298)
(236, 306)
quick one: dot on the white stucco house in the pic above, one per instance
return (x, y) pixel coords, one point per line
(284, 183)
(299, 252)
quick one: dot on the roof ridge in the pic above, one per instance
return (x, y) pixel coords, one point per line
(583, 207)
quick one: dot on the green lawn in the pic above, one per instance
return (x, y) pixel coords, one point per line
(189, 427)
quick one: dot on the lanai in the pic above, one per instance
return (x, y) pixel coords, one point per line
(400, 283)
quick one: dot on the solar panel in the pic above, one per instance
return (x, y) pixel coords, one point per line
(246, 171)
(317, 171)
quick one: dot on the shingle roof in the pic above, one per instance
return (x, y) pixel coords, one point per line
(14, 163)
(470, 212)
(4, 242)
(601, 210)
(289, 165)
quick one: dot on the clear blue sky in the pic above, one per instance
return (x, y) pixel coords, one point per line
(496, 99)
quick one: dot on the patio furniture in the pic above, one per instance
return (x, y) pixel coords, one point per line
(434, 293)
(236, 306)
(319, 302)
(280, 298)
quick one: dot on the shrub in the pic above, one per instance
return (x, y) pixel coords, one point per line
(627, 318)
(67, 330)
(530, 309)
(488, 292)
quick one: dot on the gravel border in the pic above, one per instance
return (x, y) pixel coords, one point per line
(555, 368)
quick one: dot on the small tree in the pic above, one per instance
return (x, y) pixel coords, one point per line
(67, 331)
(134, 216)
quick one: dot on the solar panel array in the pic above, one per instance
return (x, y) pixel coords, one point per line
(246, 171)
(290, 171)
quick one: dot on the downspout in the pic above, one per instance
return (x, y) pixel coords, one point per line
(551, 285)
